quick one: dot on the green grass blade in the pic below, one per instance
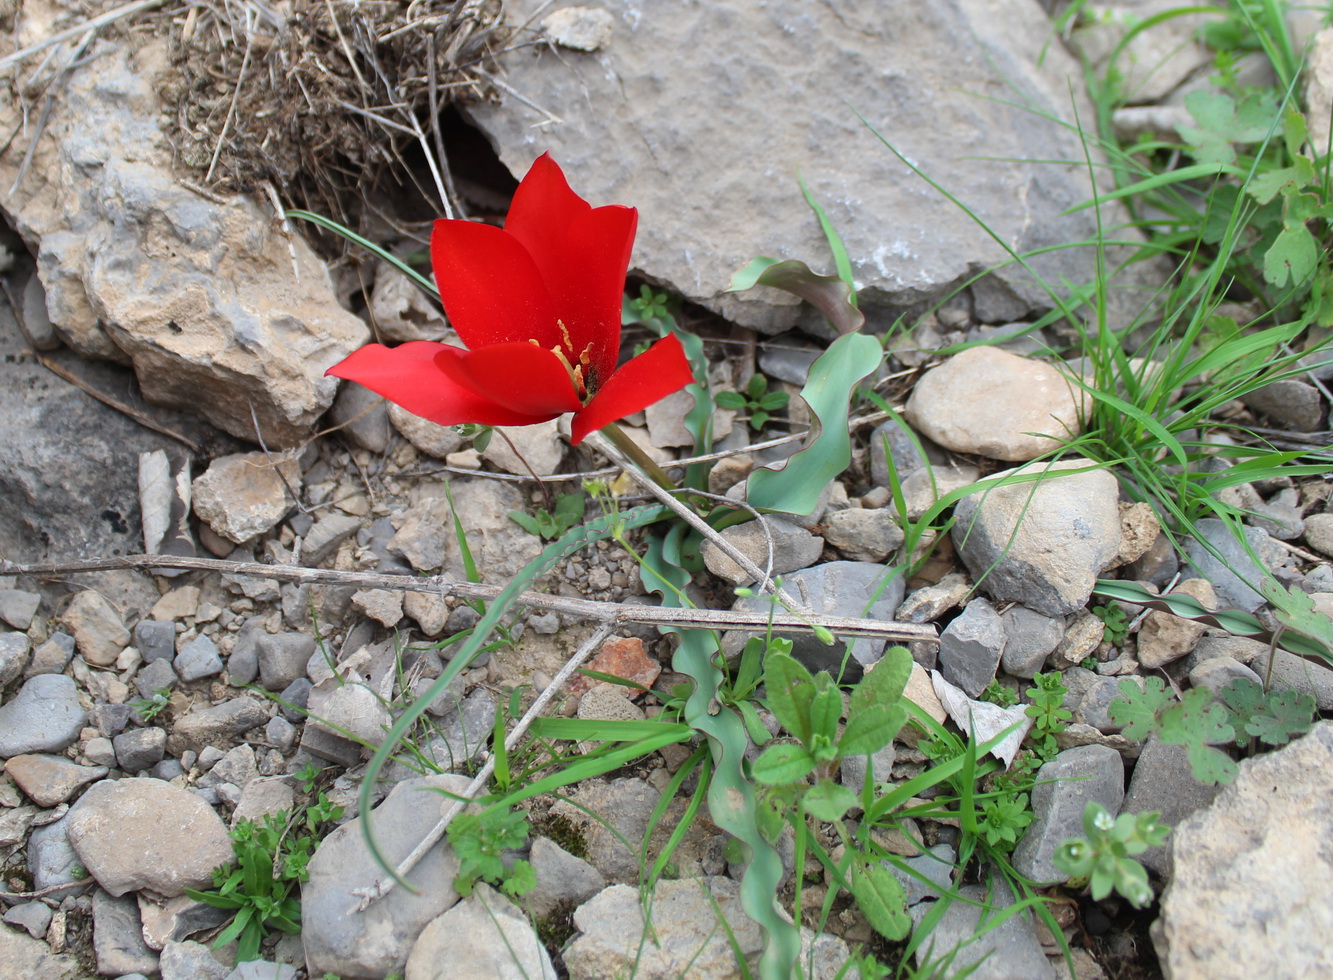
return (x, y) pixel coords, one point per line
(328, 224)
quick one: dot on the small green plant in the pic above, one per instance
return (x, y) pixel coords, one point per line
(649, 305)
(1273, 717)
(997, 693)
(549, 524)
(1115, 624)
(810, 708)
(757, 399)
(1194, 722)
(480, 841)
(149, 708)
(1048, 717)
(1105, 858)
(1004, 817)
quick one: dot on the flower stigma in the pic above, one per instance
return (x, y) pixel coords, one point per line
(583, 386)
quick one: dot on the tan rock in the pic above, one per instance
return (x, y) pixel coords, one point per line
(245, 494)
(433, 440)
(1139, 528)
(1164, 638)
(989, 402)
(219, 310)
(96, 627)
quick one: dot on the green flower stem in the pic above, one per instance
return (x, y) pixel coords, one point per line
(631, 449)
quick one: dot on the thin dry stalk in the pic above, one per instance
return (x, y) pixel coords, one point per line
(368, 896)
(613, 613)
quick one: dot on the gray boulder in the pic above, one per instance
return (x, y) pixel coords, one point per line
(627, 127)
(1250, 883)
(1041, 543)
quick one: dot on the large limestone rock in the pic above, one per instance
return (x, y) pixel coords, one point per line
(216, 308)
(1041, 543)
(638, 122)
(1249, 894)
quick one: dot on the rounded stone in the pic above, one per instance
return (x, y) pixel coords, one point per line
(134, 834)
(989, 402)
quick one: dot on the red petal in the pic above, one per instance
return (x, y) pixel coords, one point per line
(656, 373)
(408, 375)
(588, 285)
(490, 286)
(525, 378)
(542, 211)
(581, 253)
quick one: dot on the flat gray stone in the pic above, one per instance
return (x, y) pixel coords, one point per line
(49, 780)
(14, 650)
(155, 639)
(53, 656)
(45, 716)
(971, 647)
(156, 676)
(626, 804)
(133, 834)
(793, 547)
(1065, 785)
(118, 937)
(484, 935)
(282, 658)
(140, 748)
(198, 659)
(1009, 951)
(1232, 588)
(1163, 780)
(32, 959)
(836, 588)
(189, 960)
(205, 726)
(908, 244)
(1030, 638)
(561, 877)
(17, 607)
(51, 858)
(377, 941)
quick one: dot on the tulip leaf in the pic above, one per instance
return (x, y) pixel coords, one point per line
(794, 485)
(829, 294)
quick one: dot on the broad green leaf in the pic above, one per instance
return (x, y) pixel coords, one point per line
(1287, 714)
(1295, 610)
(1293, 256)
(825, 709)
(871, 728)
(794, 487)
(1222, 121)
(1266, 186)
(790, 691)
(883, 684)
(1137, 709)
(1246, 699)
(778, 765)
(828, 294)
(1210, 766)
(828, 801)
(882, 900)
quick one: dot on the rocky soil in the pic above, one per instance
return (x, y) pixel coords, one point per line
(145, 713)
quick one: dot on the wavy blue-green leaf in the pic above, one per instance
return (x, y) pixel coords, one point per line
(731, 796)
(795, 487)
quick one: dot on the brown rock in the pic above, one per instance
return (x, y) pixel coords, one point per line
(620, 656)
(1164, 638)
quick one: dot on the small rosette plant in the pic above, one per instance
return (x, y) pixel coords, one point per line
(1105, 860)
(538, 306)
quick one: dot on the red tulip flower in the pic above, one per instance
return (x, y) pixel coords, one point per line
(538, 306)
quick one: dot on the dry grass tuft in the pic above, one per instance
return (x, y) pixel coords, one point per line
(335, 104)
